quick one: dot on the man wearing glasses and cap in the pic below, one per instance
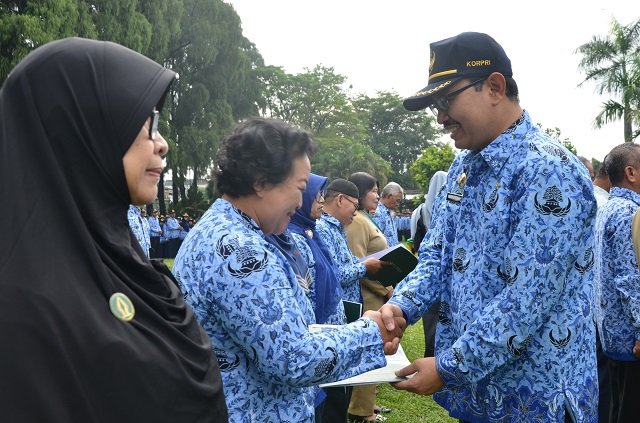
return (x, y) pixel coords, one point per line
(509, 254)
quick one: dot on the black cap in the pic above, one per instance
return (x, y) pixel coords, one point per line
(470, 54)
(345, 187)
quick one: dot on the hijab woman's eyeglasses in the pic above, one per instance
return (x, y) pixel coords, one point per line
(320, 195)
(153, 128)
(442, 104)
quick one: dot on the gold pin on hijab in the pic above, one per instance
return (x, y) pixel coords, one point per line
(121, 307)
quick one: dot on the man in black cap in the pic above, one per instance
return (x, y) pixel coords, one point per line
(340, 206)
(509, 254)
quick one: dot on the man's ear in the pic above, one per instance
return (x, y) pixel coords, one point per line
(631, 173)
(497, 85)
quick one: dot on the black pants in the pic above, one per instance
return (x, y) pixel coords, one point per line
(336, 405)
(604, 382)
(625, 391)
(429, 322)
(154, 252)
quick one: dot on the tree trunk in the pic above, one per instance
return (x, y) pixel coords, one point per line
(161, 205)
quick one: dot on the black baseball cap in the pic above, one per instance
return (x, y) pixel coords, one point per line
(470, 54)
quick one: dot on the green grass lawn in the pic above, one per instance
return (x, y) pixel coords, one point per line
(407, 407)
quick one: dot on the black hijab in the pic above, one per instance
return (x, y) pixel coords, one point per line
(68, 114)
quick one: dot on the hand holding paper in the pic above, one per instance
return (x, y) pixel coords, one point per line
(425, 379)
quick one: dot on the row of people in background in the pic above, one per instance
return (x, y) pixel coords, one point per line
(159, 237)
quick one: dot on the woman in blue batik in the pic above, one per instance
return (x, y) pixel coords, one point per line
(245, 293)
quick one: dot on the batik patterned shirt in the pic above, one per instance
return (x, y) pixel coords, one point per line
(154, 227)
(173, 227)
(510, 257)
(387, 224)
(140, 228)
(617, 276)
(337, 317)
(246, 296)
(350, 269)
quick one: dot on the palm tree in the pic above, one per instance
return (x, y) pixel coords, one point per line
(613, 62)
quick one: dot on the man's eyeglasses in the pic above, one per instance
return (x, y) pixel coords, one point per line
(153, 127)
(320, 195)
(442, 104)
(355, 205)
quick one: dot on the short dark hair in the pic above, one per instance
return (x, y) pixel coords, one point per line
(260, 152)
(365, 182)
(621, 156)
(602, 171)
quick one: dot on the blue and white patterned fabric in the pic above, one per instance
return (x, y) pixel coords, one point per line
(387, 224)
(617, 276)
(350, 269)
(336, 318)
(511, 263)
(140, 228)
(246, 296)
(154, 227)
(601, 194)
(173, 227)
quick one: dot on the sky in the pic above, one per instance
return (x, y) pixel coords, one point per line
(384, 46)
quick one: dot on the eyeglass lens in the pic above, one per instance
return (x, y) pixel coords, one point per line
(153, 128)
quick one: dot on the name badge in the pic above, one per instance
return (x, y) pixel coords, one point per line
(453, 197)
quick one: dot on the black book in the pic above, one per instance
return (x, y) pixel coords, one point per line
(402, 263)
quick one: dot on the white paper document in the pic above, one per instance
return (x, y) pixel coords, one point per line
(384, 374)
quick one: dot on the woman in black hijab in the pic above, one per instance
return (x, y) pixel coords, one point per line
(92, 331)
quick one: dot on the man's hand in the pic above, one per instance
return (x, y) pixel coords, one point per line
(389, 313)
(373, 265)
(425, 380)
(390, 338)
(636, 349)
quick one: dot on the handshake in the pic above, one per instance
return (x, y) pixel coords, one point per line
(391, 324)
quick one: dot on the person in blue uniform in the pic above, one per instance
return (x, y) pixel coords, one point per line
(154, 233)
(140, 228)
(173, 235)
(509, 254)
(246, 295)
(618, 282)
(390, 197)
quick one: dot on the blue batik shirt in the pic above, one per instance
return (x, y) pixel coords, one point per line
(510, 256)
(617, 275)
(337, 317)
(173, 227)
(387, 224)
(246, 296)
(154, 227)
(140, 228)
(350, 269)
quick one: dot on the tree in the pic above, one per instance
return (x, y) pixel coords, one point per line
(434, 158)
(613, 62)
(217, 86)
(395, 134)
(25, 25)
(317, 100)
